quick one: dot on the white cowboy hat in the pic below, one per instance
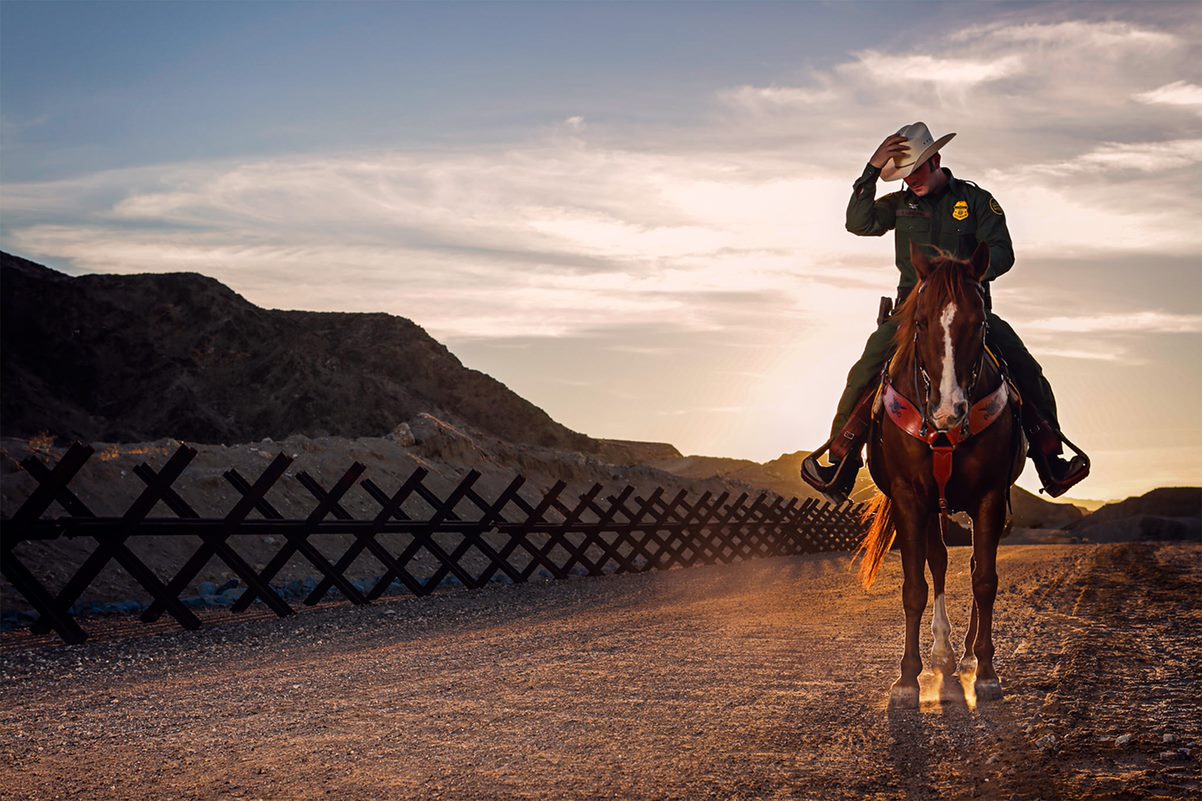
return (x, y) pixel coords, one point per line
(920, 146)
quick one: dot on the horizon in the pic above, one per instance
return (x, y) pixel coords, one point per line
(1090, 504)
(631, 215)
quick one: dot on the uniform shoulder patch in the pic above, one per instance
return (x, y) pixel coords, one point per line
(995, 207)
(960, 212)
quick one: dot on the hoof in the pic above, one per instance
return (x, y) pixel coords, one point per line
(951, 690)
(988, 690)
(903, 696)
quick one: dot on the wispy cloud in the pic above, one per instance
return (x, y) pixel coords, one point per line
(1127, 158)
(1177, 93)
(1077, 34)
(1146, 322)
(1116, 356)
(959, 73)
(784, 97)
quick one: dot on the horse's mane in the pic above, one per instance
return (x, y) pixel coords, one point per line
(946, 281)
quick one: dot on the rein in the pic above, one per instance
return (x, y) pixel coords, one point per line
(943, 442)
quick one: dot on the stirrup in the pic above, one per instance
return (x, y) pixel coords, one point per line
(834, 482)
(1056, 474)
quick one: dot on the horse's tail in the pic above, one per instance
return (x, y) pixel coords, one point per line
(878, 540)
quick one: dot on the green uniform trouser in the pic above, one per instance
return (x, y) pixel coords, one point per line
(1025, 371)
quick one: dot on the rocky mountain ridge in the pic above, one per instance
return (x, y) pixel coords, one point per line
(128, 358)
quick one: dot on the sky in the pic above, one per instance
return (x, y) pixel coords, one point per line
(631, 214)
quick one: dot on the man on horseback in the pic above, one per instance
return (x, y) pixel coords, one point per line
(936, 208)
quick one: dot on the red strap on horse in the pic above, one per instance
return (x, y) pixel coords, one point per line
(905, 415)
(941, 464)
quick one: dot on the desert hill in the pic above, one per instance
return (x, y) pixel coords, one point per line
(1032, 511)
(625, 451)
(1161, 502)
(128, 358)
(1173, 513)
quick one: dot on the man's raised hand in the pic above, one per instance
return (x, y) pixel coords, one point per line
(894, 145)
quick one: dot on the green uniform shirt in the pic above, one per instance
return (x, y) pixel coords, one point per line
(956, 219)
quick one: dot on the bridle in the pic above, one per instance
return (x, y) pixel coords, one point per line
(921, 374)
(943, 442)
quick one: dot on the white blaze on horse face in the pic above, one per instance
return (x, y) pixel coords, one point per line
(950, 394)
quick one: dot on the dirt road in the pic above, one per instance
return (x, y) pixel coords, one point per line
(761, 680)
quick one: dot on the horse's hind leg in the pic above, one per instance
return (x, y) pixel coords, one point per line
(911, 531)
(943, 657)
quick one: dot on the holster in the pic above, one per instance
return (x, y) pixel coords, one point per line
(884, 311)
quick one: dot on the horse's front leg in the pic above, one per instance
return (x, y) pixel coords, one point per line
(911, 531)
(968, 662)
(987, 531)
(943, 656)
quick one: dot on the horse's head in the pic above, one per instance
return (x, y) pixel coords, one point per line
(943, 323)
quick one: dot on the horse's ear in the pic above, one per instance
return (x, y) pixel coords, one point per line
(919, 259)
(980, 261)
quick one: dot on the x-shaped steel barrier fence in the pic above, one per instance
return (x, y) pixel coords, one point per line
(620, 532)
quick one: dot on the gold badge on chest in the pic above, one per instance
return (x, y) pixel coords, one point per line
(960, 212)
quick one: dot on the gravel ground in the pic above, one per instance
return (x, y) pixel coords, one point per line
(766, 679)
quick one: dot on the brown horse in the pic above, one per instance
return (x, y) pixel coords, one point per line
(947, 441)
